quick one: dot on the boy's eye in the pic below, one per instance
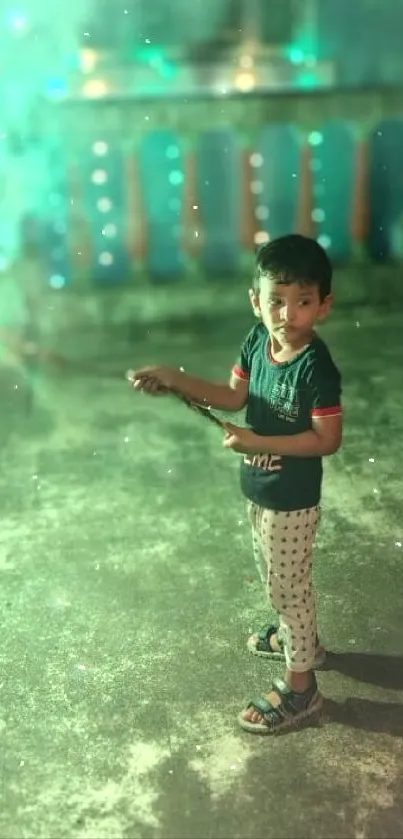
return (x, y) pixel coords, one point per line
(276, 301)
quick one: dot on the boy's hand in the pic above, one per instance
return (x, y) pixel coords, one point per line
(241, 440)
(153, 380)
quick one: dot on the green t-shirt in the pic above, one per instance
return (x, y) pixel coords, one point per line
(283, 398)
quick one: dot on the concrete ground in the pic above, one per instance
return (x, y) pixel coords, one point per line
(128, 591)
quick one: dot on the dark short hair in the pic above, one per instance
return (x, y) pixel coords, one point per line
(294, 259)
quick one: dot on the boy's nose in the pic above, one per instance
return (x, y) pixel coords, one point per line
(288, 314)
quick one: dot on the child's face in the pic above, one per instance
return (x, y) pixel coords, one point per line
(289, 311)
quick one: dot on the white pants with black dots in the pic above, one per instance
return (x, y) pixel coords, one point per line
(282, 547)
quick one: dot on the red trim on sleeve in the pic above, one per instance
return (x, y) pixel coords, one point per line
(327, 412)
(239, 373)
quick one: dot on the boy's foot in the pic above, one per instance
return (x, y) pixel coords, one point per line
(267, 644)
(282, 708)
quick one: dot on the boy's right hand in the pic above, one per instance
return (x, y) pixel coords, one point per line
(154, 380)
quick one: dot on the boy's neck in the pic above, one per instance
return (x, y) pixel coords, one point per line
(287, 352)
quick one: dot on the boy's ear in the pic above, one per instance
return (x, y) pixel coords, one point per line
(255, 302)
(325, 307)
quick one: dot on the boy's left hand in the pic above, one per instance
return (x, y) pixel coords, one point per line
(240, 440)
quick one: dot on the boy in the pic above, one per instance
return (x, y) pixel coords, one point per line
(291, 388)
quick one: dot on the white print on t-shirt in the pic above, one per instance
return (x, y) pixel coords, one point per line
(284, 400)
(268, 462)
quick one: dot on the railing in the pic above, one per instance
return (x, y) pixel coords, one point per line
(166, 209)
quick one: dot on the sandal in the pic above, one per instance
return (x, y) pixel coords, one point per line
(292, 708)
(259, 644)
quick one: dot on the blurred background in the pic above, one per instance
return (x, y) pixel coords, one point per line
(156, 143)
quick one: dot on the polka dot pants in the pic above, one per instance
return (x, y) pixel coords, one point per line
(282, 547)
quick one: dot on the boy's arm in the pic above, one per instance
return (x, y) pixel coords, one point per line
(325, 436)
(323, 439)
(224, 397)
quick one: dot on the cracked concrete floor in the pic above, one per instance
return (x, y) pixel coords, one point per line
(127, 593)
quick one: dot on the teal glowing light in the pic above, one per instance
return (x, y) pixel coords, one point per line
(154, 57)
(295, 54)
(56, 88)
(176, 177)
(315, 138)
(57, 281)
(308, 80)
(18, 21)
(173, 152)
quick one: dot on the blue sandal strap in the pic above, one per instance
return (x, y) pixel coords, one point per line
(264, 635)
(292, 703)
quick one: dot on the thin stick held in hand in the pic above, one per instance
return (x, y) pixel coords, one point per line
(203, 410)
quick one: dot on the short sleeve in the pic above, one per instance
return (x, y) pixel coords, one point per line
(242, 367)
(326, 391)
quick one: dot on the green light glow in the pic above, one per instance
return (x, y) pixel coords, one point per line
(295, 54)
(308, 80)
